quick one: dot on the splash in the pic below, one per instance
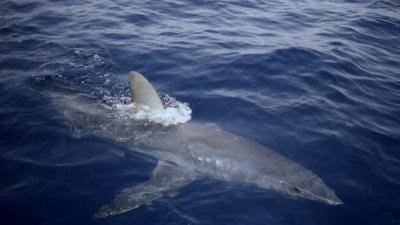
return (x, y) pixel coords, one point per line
(175, 112)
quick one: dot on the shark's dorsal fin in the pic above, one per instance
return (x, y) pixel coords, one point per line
(143, 92)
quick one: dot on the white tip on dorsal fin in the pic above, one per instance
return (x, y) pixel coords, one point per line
(143, 92)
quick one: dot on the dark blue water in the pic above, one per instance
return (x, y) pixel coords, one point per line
(318, 81)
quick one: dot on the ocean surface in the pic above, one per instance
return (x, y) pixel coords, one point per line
(317, 81)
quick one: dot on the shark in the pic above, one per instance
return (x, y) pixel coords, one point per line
(185, 152)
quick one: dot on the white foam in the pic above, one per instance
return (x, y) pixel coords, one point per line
(175, 112)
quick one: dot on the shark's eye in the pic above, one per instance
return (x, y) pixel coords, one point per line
(296, 190)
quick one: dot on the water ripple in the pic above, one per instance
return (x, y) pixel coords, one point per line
(318, 81)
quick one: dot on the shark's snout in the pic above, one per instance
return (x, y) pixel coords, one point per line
(335, 201)
(321, 193)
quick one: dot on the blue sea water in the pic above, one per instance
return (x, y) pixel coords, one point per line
(317, 81)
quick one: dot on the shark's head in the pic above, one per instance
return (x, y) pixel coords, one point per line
(319, 192)
(305, 185)
(142, 92)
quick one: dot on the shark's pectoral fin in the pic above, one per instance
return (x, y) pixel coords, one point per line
(165, 179)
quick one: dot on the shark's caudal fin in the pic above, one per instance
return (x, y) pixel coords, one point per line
(165, 179)
(143, 92)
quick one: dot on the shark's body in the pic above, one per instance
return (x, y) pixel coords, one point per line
(187, 152)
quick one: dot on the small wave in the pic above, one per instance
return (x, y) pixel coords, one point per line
(175, 112)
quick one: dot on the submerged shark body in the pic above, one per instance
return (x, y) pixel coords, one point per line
(187, 152)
